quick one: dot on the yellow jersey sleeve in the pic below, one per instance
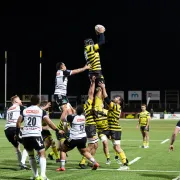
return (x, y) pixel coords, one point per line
(96, 47)
(90, 101)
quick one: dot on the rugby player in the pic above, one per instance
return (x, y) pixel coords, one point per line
(90, 126)
(173, 138)
(102, 125)
(31, 135)
(60, 94)
(115, 129)
(77, 138)
(144, 120)
(13, 114)
(91, 53)
(47, 136)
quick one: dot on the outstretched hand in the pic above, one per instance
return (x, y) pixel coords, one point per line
(93, 79)
(101, 84)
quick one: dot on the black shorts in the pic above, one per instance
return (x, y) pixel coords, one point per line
(115, 135)
(99, 77)
(45, 134)
(79, 143)
(142, 128)
(60, 99)
(31, 143)
(90, 131)
(10, 133)
(105, 132)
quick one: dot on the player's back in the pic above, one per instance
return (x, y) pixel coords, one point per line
(92, 57)
(32, 121)
(77, 123)
(13, 114)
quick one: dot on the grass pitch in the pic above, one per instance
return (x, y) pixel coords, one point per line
(155, 163)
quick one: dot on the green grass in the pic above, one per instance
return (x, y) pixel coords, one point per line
(156, 158)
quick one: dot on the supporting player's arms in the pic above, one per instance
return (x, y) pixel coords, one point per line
(51, 124)
(102, 85)
(92, 88)
(76, 71)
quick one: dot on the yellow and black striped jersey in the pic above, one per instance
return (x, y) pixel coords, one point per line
(143, 118)
(92, 57)
(88, 113)
(114, 113)
(102, 121)
(60, 126)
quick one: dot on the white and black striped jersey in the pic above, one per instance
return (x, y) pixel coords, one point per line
(77, 123)
(61, 82)
(33, 117)
(13, 114)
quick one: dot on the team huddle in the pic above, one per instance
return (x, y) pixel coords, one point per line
(96, 119)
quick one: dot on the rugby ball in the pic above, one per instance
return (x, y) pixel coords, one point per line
(98, 27)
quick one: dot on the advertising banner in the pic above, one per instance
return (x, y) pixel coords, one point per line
(156, 116)
(134, 95)
(171, 116)
(114, 93)
(154, 95)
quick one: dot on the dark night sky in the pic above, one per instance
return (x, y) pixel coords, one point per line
(141, 53)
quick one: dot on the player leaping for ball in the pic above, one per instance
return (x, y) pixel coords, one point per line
(91, 53)
(61, 85)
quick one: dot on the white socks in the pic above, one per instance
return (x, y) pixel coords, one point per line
(42, 163)
(33, 165)
(24, 156)
(18, 153)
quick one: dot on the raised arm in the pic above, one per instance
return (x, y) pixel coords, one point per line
(92, 88)
(101, 39)
(76, 71)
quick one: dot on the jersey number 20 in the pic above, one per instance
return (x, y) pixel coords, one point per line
(31, 121)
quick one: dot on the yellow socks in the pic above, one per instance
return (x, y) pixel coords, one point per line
(83, 160)
(144, 143)
(55, 152)
(107, 156)
(123, 157)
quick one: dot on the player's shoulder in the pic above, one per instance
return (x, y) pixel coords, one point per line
(147, 112)
(88, 47)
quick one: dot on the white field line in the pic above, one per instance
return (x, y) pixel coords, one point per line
(166, 140)
(134, 160)
(135, 140)
(140, 170)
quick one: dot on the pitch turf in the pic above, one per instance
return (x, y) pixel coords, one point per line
(156, 163)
